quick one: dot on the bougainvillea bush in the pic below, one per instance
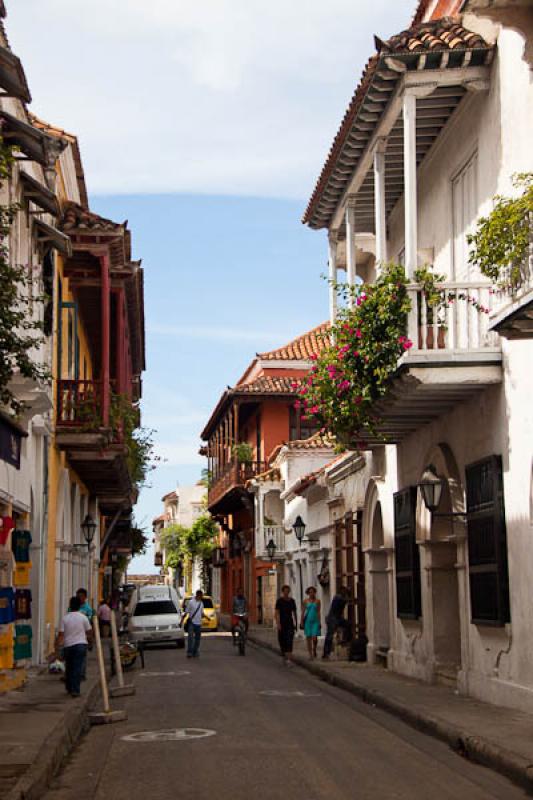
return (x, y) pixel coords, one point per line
(353, 371)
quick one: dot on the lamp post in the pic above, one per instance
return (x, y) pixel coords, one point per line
(88, 527)
(299, 531)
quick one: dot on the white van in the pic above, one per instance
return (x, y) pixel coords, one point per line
(155, 616)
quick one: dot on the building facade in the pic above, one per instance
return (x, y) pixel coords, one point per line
(438, 125)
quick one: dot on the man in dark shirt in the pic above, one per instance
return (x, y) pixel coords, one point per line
(287, 623)
(335, 619)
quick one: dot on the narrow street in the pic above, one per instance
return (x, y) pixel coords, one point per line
(278, 733)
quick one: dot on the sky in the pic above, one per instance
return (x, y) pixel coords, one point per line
(205, 125)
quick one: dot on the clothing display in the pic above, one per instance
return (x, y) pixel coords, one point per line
(23, 637)
(6, 526)
(6, 647)
(7, 605)
(20, 544)
(21, 574)
(23, 604)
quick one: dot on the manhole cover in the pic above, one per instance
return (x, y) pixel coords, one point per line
(172, 735)
(282, 693)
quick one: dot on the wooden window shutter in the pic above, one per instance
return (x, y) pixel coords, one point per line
(406, 555)
(487, 543)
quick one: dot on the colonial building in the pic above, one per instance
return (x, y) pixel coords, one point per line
(438, 124)
(249, 421)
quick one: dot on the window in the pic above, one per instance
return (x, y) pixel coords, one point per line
(300, 428)
(407, 555)
(153, 608)
(464, 206)
(487, 543)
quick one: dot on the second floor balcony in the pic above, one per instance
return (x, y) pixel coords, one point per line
(270, 542)
(231, 479)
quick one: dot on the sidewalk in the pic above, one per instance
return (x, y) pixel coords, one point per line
(39, 726)
(500, 738)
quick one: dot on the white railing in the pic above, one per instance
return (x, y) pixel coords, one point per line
(459, 323)
(265, 534)
(512, 285)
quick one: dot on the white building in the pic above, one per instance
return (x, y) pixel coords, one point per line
(440, 122)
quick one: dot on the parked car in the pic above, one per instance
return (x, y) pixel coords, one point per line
(210, 618)
(155, 616)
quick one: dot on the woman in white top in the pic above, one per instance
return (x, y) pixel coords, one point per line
(74, 634)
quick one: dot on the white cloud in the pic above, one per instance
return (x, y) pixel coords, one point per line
(218, 96)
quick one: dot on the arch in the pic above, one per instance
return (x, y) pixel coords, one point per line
(377, 534)
(376, 495)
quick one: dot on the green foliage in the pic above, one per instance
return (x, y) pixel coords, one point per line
(20, 333)
(183, 544)
(352, 373)
(243, 452)
(500, 244)
(139, 541)
(141, 458)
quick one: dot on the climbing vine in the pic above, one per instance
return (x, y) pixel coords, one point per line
(20, 331)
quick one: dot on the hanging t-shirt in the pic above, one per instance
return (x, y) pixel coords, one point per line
(6, 647)
(6, 526)
(23, 635)
(23, 604)
(7, 605)
(20, 544)
(21, 574)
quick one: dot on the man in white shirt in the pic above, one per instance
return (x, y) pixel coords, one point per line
(195, 610)
(74, 633)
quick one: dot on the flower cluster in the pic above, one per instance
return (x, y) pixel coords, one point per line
(353, 371)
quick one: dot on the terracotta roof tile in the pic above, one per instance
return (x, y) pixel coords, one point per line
(266, 384)
(76, 216)
(435, 36)
(302, 347)
(317, 442)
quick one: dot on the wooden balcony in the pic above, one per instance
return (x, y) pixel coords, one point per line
(232, 478)
(95, 452)
(454, 355)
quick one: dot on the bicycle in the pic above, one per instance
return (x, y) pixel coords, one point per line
(239, 633)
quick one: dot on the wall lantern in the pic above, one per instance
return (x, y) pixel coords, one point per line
(299, 528)
(88, 527)
(431, 487)
(271, 549)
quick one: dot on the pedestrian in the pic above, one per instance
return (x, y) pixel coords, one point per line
(75, 633)
(239, 610)
(104, 618)
(335, 619)
(195, 610)
(287, 623)
(311, 620)
(87, 609)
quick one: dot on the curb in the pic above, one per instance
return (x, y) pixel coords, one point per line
(475, 748)
(35, 781)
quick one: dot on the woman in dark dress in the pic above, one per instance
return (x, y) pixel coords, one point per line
(287, 623)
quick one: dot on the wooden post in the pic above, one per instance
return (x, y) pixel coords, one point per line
(106, 323)
(121, 689)
(101, 665)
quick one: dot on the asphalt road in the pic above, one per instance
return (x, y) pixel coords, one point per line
(278, 733)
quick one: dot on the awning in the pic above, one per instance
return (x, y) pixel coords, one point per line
(46, 233)
(39, 194)
(12, 76)
(35, 144)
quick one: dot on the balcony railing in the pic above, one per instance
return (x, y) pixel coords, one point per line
(79, 404)
(265, 534)
(459, 324)
(232, 475)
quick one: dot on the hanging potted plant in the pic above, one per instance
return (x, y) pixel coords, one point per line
(243, 452)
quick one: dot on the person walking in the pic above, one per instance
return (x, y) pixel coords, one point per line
(310, 621)
(88, 610)
(104, 618)
(335, 619)
(195, 610)
(287, 623)
(75, 633)
(239, 610)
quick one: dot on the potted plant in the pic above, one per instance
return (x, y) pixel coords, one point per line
(243, 452)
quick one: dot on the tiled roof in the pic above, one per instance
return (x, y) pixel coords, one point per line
(300, 348)
(160, 518)
(266, 384)
(75, 216)
(52, 130)
(434, 37)
(318, 441)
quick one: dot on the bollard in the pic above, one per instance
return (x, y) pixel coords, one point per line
(121, 690)
(105, 716)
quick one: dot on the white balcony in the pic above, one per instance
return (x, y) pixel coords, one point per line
(264, 535)
(512, 315)
(454, 355)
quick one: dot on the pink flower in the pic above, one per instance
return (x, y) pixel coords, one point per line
(358, 333)
(407, 344)
(344, 385)
(314, 410)
(295, 385)
(356, 353)
(297, 404)
(303, 390)
(313, 357)
(358, 400)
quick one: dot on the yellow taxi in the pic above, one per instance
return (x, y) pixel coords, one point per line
(210, 617)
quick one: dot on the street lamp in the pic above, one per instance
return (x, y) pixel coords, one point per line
(88, 527)
(299, 531)
(431, 487)
(271, 549)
